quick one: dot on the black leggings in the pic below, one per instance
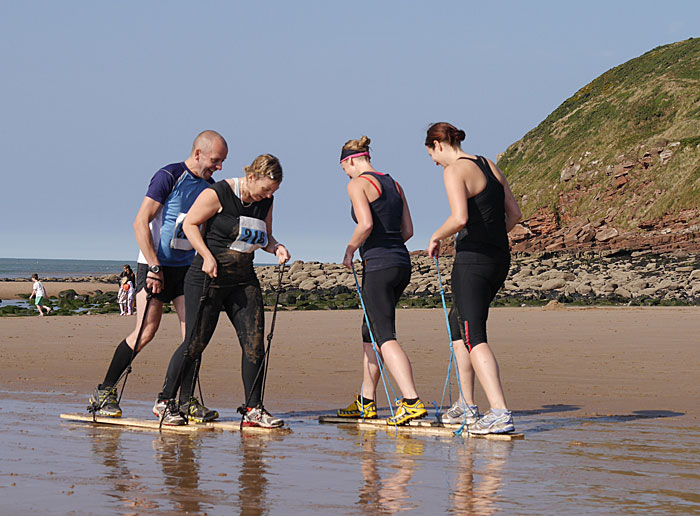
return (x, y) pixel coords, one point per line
(476, 279)
(244, 306)
(381, 291)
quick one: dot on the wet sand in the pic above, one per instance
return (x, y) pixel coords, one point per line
(600, 361)
(607, 399)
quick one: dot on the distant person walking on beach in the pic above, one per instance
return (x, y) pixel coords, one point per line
(39, 295)
(384, 223)
(483, 210)
(165, 254)
(237, 217)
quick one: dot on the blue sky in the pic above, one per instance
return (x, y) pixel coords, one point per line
(96, 96)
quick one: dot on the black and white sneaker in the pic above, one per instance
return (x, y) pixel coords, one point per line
(168, 412)
(258, 416)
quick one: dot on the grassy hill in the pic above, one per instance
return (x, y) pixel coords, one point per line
(625, 148)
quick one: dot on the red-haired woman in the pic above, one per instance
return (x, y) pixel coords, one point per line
(483, 211)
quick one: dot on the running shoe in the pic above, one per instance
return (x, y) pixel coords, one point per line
(359, 410)
(455, 414)
(168, 412)
(195, 412)
(258, 416)
(406, 412)
(103, 402)
(493, 424)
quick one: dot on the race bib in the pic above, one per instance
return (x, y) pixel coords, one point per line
(179, 240)
(252, 235)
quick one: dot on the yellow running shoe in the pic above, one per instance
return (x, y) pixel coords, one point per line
(357, 410)
(406, 412)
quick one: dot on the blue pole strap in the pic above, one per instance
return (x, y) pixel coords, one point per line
(374, 345)
(452, 354)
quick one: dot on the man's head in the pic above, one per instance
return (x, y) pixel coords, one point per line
(209, 151)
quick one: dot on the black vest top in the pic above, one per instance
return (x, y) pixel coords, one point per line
(233, 234)
(384, 246)
(485, 231)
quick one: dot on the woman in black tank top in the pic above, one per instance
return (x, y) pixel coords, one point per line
(383, 225)
(483, 211)
(237, 218)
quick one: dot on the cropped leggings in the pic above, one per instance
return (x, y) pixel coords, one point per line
(244, 306)
(476, 279)
(381, 291)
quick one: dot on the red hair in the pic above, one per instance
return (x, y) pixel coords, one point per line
(444, 132)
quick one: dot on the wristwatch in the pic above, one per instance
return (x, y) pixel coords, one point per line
(155, 269)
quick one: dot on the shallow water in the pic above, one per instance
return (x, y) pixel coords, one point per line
(630, 464)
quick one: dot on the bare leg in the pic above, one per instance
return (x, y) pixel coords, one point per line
(179, 304)
(155, 313)
(466, 372)
(486, 367)
(371, 374)
(399, 366)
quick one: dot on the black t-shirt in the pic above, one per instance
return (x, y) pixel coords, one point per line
(129, 275)
(233, 235)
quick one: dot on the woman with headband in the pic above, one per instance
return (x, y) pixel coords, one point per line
(484, 210)
(384, 223)
(236, 215)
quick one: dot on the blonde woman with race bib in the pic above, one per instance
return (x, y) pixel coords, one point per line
(236, 217)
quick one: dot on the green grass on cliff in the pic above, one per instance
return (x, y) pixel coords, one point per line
(645, 103)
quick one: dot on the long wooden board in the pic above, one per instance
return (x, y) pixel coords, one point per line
(235, 426)
(142, 424)
(153, 424)
(421, 426)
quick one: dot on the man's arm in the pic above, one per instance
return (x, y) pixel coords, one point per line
(145, 215)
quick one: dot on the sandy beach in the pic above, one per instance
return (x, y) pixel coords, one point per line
(597, 361)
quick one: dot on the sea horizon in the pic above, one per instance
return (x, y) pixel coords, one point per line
(12, 268)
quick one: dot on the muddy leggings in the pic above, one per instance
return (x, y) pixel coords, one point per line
(244, 306)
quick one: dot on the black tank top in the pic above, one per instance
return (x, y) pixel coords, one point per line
(485, 231)
(233, 235)
(384, 246)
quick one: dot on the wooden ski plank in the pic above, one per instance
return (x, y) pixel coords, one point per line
(152, 424)
(142, 424)
(235, 426)
(415, 426)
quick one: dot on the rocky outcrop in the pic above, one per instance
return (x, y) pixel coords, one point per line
(616, 186)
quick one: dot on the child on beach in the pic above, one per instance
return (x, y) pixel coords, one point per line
(125, 296)
(39, 293)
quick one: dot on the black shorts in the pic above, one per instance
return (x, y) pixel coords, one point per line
(173, 278)
(381, 291)
(476, 279)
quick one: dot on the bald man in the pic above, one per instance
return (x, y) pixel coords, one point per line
(165, 255)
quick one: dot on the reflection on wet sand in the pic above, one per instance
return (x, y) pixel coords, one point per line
(392, 495)
(252, 482)
(178, 455)
(127, 487)
(479, 476)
